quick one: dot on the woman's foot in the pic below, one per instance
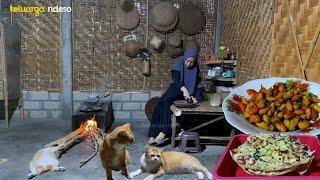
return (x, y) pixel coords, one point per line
(160, 137)
(151, 140)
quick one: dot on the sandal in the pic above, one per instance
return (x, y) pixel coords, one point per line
(160, 137)
(151, 140)
(160, 143)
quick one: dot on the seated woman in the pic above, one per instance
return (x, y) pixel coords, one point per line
(185, 77)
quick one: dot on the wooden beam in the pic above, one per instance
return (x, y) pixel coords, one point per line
(66, 58)
(66, 138)
(217, 39)
(4, 75)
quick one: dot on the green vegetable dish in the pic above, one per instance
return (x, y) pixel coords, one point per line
(272, 154)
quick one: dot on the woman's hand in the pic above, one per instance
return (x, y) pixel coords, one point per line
(194, 100)
(185, 92)
(187, 96)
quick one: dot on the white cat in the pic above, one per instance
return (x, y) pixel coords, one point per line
(44, 160)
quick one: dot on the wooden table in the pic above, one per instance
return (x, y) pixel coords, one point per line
(204, 108)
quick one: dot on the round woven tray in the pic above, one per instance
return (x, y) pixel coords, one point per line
(150, 105)
(184, 104)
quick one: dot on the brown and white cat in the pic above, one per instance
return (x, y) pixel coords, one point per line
(44, 160)
(113, 153)
(159, 163)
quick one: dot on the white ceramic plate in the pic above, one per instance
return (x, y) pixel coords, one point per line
(239, 122)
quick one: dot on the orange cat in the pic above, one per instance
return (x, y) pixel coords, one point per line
(160, 163)
(113, 153)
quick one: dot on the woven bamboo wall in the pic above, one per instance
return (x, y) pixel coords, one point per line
(99, 63)
(40, 47)
(306, 27)
(247, 26)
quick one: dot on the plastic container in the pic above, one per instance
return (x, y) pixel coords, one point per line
(228, 169)
(224, 91)
(215, 99)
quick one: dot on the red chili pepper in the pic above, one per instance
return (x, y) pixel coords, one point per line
(254, 110)
(304, 86)
(237, 98)
(297, 84)
(304, 106)
(251, 92)
(235, 107)
(242, 107)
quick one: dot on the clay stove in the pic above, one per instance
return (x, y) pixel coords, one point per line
(102, 110)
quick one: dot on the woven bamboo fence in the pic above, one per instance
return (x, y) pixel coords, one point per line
(247, 27)
(40, 47)
(296, 39)
(99, 63)
(274, 38)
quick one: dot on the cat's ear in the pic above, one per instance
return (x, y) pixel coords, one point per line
(127, 125)
(147, 147)
(162, 149)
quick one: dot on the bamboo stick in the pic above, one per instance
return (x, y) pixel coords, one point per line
(294, 38)
(217, 138)
(95, 145)
(206, 123)
(312, 46)
(273, 57)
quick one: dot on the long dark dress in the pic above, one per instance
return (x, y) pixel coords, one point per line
(161, 117)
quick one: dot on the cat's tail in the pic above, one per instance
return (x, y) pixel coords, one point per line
(204, 170)
(39, 170)
(31, 175)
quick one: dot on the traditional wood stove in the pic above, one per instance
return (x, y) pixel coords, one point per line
(101, 109)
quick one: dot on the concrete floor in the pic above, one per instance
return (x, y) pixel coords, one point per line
(19, 143)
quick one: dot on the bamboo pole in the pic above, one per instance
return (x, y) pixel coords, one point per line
(312, 46)
(294, 38)
(146, 43)
(273, 40)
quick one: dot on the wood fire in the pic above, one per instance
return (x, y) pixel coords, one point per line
(88, 130)
(90, 124)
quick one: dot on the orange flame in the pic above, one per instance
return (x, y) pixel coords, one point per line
(90, 124)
